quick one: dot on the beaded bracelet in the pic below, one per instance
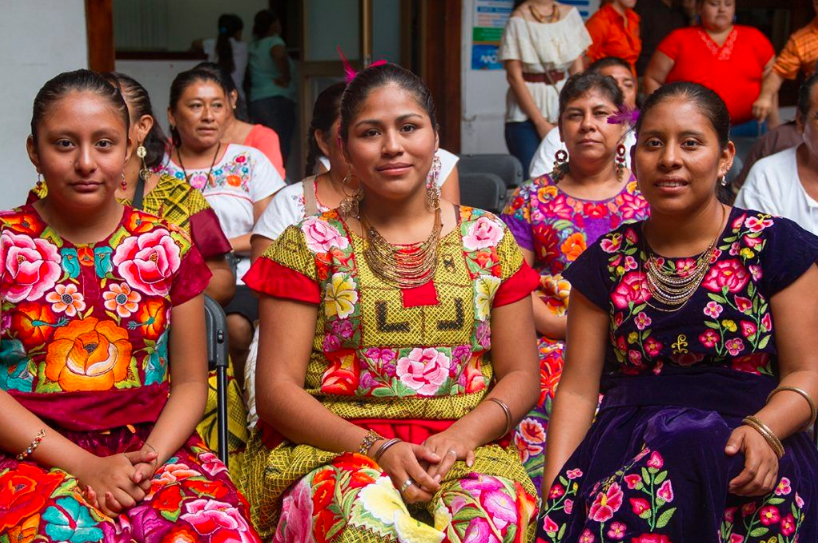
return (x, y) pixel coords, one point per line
(803, 394)
(756, 424)
(369, 439)
(34, 444)
(382, 449)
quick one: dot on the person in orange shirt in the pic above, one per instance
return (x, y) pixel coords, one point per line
(800, 54)
(615, 31)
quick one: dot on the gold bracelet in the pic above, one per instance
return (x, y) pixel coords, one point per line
(369, 439)
(756, 424)
(506, 410)
(33, 446)
(803, 393)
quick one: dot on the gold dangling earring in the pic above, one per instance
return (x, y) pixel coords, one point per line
(432, 186)
(620, 162)
(560, 166)
(141, 152)
(350, 205)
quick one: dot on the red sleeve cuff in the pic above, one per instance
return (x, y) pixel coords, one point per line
(518, 286)
(271, 278)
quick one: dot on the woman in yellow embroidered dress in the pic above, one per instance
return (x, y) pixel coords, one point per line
(374, 394)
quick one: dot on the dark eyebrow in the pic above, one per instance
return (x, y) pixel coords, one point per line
(378, 122)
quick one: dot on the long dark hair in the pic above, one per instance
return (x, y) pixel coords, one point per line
(181, 83)
(379, 76)
(325, 112)
(77, 81)
(139, 104)
(263, 21)
(230, 24)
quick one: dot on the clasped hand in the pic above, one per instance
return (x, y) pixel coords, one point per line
(116, 483)
(760, 473)
(425, 464)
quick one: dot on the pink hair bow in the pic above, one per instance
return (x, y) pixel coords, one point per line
(349, 70)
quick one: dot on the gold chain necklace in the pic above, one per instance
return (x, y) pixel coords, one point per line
(553, 16)
(402, 266)
(671, 289)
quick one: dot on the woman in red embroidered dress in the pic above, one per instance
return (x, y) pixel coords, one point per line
(104, 443)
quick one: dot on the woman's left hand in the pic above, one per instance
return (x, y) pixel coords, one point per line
(760, 474)
(450, 448)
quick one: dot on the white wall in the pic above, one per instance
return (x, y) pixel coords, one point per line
(39, 39)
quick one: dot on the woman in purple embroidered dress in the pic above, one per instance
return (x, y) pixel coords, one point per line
(555, 217)
(687, 446)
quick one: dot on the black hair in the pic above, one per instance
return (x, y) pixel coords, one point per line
(709, 103)
(139, 104)
(379, 76)
(609, 62)
(229, 84)
(229, 25)
(584, 82)
(59, 87)
(181, 82)
(804, 95)
(325, 112)
(263, 21)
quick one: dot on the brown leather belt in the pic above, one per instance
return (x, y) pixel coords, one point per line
(555, 75)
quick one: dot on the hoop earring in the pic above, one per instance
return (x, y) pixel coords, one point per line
(561, 167)
(619, 160)
(141, 152)
(350, 205)
(432, 186)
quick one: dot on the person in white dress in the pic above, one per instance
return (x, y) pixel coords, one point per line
(543, 161)
(228, 50)
(542, 40)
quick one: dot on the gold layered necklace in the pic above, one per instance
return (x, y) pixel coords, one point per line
(673, 289)
(402, 266)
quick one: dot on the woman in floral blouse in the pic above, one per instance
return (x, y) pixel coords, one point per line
(556, 216)
(377, 403)
(708, 363)
(98, 441)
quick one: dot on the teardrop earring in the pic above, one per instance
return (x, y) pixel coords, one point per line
(123, 184)
(39, 186)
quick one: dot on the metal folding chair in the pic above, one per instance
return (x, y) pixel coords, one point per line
(506, 167)
(482, 190)
(217, 359)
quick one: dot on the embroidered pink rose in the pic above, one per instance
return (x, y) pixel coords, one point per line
(483, 233)
(31, 267)
(665, 491)
(322, 237)
(685, 266)
(606, 504)
(727, 273)
(783, 488)
(149, 261)
(424, 370)
(757, 224)
(656, 461)
(769, 515)
(632, 288)
(501, 507)
(611, 243)
(652, 347)
(296, 516)
(788, 525)
(211, 463)
(209, 517)
(743, 304)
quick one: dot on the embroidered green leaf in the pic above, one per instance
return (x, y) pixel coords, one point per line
(713, 325)
(764, 341)
(665, 517)
(563, 481)
(775, 501)
(717, 298)
(659, 478)
(645, 476)
(760, 531)
(645, 514)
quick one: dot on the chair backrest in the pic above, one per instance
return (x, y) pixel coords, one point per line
(216, 327)
(482, 190)
(506, 167)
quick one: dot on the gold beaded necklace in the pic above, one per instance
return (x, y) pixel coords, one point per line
(671, 289)
(402, 266)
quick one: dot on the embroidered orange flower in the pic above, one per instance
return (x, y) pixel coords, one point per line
(24, 223)
(152, 318)
(573, 246)
(122, 299)
(66, 299)
(86, 255)
(234, 180)
(88, 354)
(34, 323)
(343, 374)
(139, 223)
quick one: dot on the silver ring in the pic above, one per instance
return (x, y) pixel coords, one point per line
(452, 451)
(409, 482)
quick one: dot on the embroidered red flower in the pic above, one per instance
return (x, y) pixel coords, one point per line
(148, 262)
(639, 505)
(656, 461)
(769, 515)
(727, 273)
(34, 323)
(632, 289)
(606, 504)
(24, 491)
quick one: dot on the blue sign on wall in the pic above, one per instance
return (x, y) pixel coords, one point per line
(484, 57)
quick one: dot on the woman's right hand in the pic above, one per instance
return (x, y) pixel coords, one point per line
(762, 107)
(402, 462)
(109, 479)
(543, 127)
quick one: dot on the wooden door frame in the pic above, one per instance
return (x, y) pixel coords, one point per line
(99, 24)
